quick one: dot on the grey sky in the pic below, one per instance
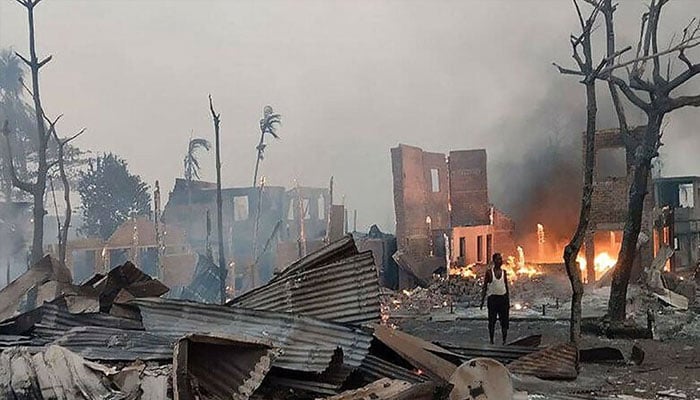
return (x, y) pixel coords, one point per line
(351, 79)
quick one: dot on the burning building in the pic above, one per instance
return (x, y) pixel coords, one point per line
(443, 214)
(611, 182)
(679, 224)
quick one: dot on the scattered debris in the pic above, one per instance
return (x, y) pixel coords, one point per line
(481, 378)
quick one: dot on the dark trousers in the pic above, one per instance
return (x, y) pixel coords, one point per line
(498, 309)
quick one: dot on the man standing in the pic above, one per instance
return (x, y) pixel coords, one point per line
(495, 292)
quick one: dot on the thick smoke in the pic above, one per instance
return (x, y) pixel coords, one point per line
(543, 185)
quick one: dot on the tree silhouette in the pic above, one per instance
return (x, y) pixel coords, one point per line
(191, 162)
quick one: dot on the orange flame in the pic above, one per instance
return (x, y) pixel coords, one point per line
(601, 264)
(464, 272)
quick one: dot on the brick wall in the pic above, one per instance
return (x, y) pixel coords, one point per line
(609, 198)
(469, 188)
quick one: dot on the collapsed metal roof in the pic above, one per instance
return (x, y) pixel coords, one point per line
(345, 291)
(307, 344)
(110, 344)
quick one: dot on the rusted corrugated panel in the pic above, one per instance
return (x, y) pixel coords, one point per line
(222, 367)
(556, 362)
(503, 354)
(389, 389)
(307, 344)
(109, 344)
(16, 295)
(376, 368)
(346, 291)
(418, 352)
(336, 251)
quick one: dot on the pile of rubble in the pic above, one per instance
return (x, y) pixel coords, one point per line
(312, 332)
(442, 292)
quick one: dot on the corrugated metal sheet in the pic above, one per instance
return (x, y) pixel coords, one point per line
(223, 368)
(14, 340)
(55, 320)
(419, 353)
(389, 389)
(336, 251)
(556, 362)
(109, 344)
(504, 354)
(375, 368)
(346, 291)
(307, 344)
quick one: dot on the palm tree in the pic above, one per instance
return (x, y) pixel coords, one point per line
(268, 125)
(191, 162)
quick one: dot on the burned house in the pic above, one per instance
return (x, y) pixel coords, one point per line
(438, 197)
(383, 247)
(611, 182)
(162, 252)
(262, 228)
(678, 219)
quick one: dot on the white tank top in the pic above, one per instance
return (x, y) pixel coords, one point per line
(497, 286)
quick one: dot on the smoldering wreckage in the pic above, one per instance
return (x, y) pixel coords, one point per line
(318, 329)
(358, 316)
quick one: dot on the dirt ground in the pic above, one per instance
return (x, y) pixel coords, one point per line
(669, 365)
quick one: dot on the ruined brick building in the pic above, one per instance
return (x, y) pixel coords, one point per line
(438, 197)
(611, 182)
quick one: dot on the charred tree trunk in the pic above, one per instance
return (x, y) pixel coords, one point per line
(260, 148)
(63, 234)
(641, 169)
(219, 216)
(642, 83)
(38, 188)
(571, 251)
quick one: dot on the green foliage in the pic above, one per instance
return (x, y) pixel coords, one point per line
(109, 195)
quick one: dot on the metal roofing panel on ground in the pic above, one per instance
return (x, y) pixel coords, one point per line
(376, 368)
(504, 354)
(307, 344)
(222, 367)
(110, 344)
(556, 362)
(345, 291)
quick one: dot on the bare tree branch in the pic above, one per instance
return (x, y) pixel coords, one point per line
(628, 92)
(683, 101)
(608, 11)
